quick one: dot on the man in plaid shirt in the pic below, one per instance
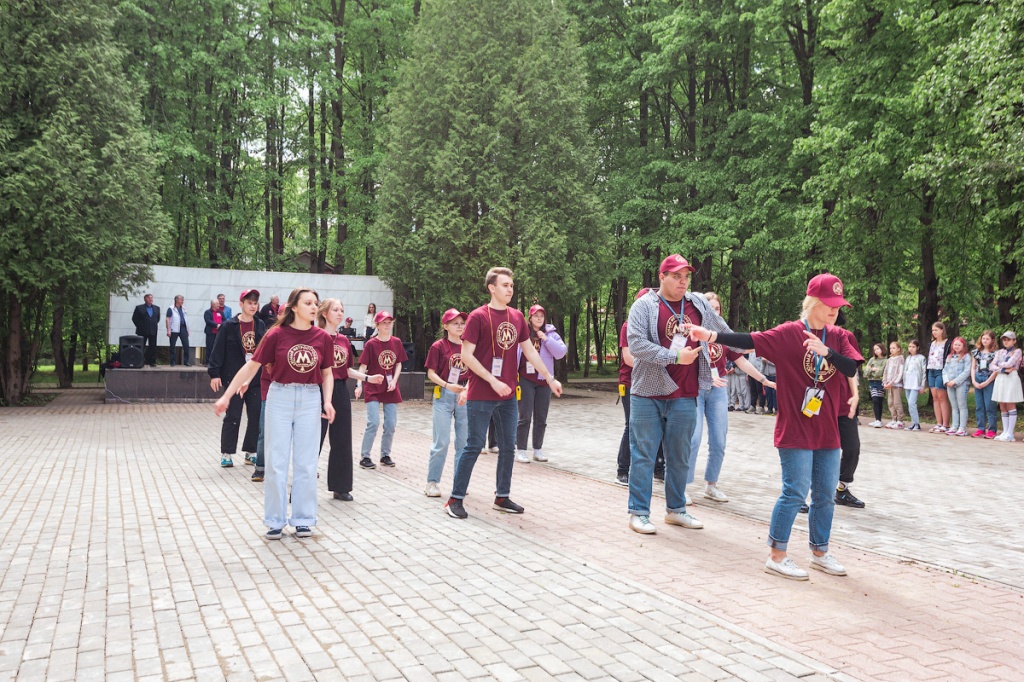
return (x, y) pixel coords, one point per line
(668, 372)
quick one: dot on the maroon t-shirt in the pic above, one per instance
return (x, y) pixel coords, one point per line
(625, 371)
(298, 356)
(685, 376)
(344, 358)
(535, 376)
(381, 357)
(444, 357)
(795, 371)
(496, 334)
(720, 355)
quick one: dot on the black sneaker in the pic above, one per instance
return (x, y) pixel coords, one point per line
(804, 508)
(622, 479)
(274, 534)
(732, 409)
(303, 532)
(659, 476)
(387, 461)
(367, 463)
(344, 497)
(455, 509)
(506, 505)
(846, 498)
(257, 476)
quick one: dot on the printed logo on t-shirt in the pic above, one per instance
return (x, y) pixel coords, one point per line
(716, 350)
(302, 358)
(249, 341)
(340, 357)
(455, 362)
(536, 344)
(387, 360)
(673, 324)
(506, 335)
(825, 373)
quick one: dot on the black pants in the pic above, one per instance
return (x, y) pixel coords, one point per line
(339, 463)
(849, 441)
(150, 349)
(233, 419)
(186, 352)
(757, 397)
(536, 400)
(622, 463)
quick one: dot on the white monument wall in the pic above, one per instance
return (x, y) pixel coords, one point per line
(200, 285)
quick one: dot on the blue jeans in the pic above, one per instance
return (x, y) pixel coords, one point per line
(912, 406)
(260, 461)
(444, 409)
(292, 436)
(669, 423)
(713, 405)
(373, 421)
(986, 411)
(803, 469)
(186, 352)
(958, 406)
(479, 414)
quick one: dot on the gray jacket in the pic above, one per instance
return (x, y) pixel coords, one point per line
(650, 376)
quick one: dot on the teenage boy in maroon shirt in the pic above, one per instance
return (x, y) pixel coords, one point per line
(488, 351)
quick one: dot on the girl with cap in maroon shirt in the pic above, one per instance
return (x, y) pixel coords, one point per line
(383, 354)
(809, 355)
(446, 369)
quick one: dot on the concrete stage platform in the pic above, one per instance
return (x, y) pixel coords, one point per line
(192, 385)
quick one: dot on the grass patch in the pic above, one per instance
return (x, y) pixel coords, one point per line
(46, 374)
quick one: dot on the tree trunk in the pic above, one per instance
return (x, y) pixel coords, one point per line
(316, 265)
(15, 381)
(57, 340)
(574, 346)
(337, 141)
(928, 296)
(586, 343)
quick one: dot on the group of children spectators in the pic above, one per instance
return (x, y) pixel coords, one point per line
(948, 371)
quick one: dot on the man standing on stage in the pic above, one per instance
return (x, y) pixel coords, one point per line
(489, 352)
(146, 319)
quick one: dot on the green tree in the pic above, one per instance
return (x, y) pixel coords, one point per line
(488, 161)
(77, 194)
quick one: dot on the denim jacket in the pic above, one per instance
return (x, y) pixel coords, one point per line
(957, 369)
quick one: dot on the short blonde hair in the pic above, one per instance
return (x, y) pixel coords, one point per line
(492, 275)
(809, 302)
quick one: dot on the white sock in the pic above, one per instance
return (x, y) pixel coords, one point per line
(1006, 420)
(1011, 421)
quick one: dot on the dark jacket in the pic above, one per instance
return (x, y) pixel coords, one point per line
(268, 315)
(228, 355)
(144, 324)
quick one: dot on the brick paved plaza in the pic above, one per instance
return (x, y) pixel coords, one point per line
(128, 553)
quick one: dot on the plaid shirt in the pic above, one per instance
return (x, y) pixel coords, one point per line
(650, 378)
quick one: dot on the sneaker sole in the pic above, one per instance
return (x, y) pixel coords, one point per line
(387, 464)
(304, 535)
(257, 480)
(507, 511)
(437, 494)
(274, 537)
(367, 466)
(676, 523)
(227, 466)
(715, 499)
(819, 567)
(642, 531)
(450, 513)
(772, 571)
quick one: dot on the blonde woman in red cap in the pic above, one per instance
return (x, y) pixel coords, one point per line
(535, 394)
(383, 354)
(809, 355)
(446, 369)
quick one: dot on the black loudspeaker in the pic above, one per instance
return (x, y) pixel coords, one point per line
(132, 348)
(410, 350)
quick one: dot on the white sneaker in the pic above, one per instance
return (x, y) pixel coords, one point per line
(521, 456)
(432, 490)
(493, 449)
(538, 456)
(712, 492)
(1005, 437)
(827, 564)
(785, 568)
(682, 519)
(642, 524)
(875, 424)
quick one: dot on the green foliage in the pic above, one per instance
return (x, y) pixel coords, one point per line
(488, 159)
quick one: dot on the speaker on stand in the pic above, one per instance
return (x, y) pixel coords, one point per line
(131, 349)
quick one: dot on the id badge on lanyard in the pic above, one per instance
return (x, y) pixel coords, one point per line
(453, 375)
(814, 397)
(496, 365)
(714, 373)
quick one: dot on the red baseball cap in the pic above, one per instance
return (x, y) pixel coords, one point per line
(450, 315)
(828, 289)
(536, 309)
(349, 320)
(640, 293)
(381, 316)
(675, 263)
(246, 293)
